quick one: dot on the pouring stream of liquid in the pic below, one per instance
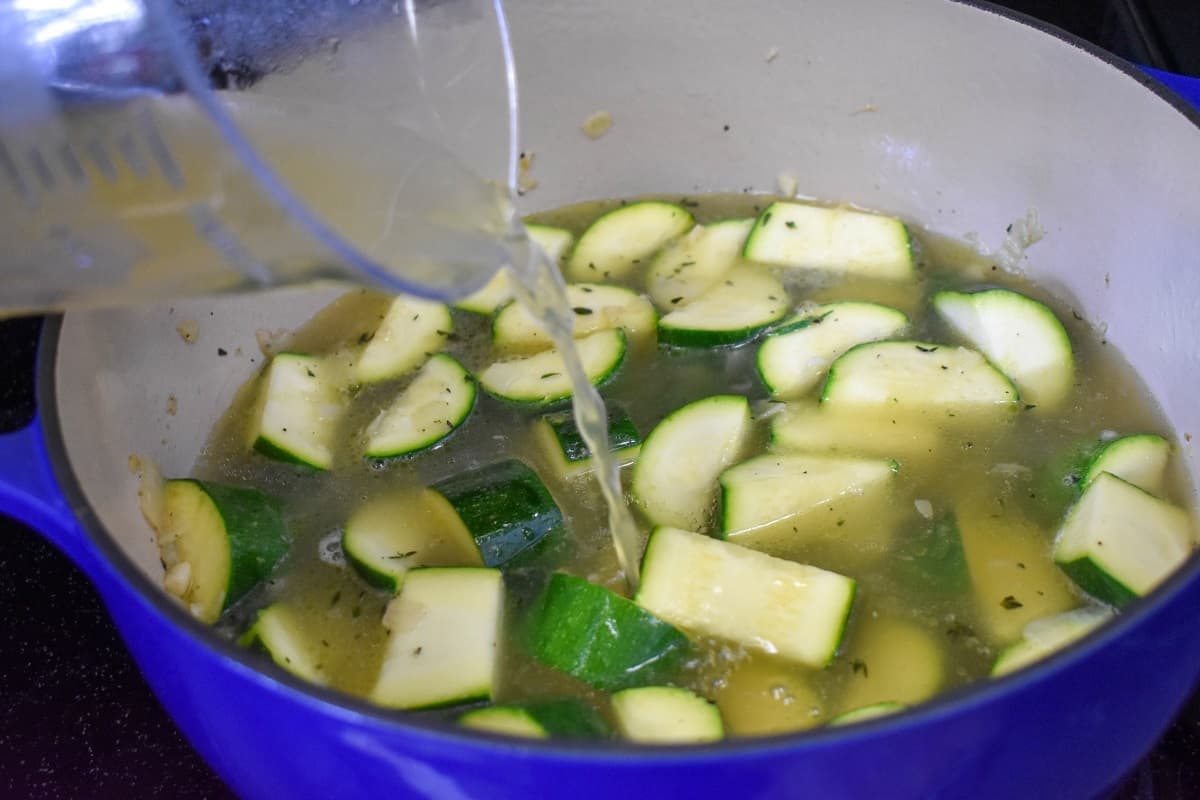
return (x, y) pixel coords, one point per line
(540, 289)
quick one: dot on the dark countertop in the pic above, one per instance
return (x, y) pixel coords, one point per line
(76, 718)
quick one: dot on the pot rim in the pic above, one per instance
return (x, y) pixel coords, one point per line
(436, 730)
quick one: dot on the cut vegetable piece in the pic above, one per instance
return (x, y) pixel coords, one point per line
(280, 634)
(831, 239)
(794, 358)
(554, 242)
(616, 243)
(1014, 580)
(409, 333)
(929, 558)
(1140, 460)
(666, 715)
(908, 377)
(696, 263)
(1019, 335)
(600, 637)
(720, 589)
(504, 507)
(1046, 636)
(217, 543)
(873, 711)
(891, 660)
(443, 638)
(390, 535)
(542, 379)
(494, 294)
(1119, 542)
(558, 719)
(565, 448)
(437, 401)
(299, 406)
(597, 307)
(812, 428)
(675, 477)
(740, 306)
(763, 697)
(776, 502)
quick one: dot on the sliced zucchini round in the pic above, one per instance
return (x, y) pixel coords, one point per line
(542, 379)
(300, 404)
(794, 357)
(1046, 636)
(279, 632)
(737, 309)
(920, 377)
(1119, 542)
(554, 243)
(1019, 335)
(696, 262)
(390, 535)
(568, 718)
(675, 476)
(704, 585)
(410, 332)
(597, 307)
(566, 450)
(1140, 459)
(616, 243)
(437, 401)
(773, 501)
(666, 715)
(838, 240)
(217, 543)
(807, 427)
(873, 711)
(443, 642)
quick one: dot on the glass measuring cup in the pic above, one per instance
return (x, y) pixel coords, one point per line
(368, 140)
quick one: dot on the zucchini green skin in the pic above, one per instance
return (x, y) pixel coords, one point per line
(253, 535)
(600, 637)
(622, 433)
(930, 558)
(257, 534)
(690, 337)
(1095, 581)
(265, 447)
(506, 508)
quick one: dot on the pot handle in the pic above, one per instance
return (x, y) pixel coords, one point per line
(30, 493)
(1182, 85)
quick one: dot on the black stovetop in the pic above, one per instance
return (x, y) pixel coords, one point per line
(78, 721)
